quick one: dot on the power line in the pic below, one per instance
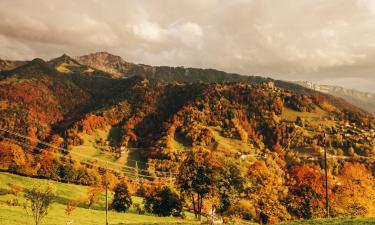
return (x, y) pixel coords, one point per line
(81, 155)
(127, 173)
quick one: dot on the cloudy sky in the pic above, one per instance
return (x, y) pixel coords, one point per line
(331, 42)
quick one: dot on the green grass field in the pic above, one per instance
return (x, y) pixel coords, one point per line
(319, 117)
(90, 151)
(16, 215)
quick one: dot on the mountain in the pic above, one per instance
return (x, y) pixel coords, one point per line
(363, 100)
(253, 128)
(108, 63)
(119, 68)
(10, 64)
(34, 96)
(55, 95)
(68, 65)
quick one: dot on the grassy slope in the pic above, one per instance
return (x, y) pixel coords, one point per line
(15, 215)
(222, 144)
(319, 117)
(91, 149)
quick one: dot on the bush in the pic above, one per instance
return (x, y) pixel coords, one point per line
(13, 202)
(14, 189)
(244, 209)
(122, 199)
(163, 202)
(139, 208)
(142, 190)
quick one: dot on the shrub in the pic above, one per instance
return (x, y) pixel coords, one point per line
(13, 202)
(163, 202)
(139, 208)
(93, 194)
(14, 189)
(244, 209)
(70, 207)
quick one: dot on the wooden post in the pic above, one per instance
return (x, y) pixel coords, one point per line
(326, 173)
(136, 174)
(106, 196)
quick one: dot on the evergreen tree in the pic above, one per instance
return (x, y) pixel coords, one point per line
(122, 199)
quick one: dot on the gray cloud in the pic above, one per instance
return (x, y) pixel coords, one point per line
(323, 41)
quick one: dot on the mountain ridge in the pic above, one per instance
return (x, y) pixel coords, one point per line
(10, 64)
(265, 129)
(365, 100)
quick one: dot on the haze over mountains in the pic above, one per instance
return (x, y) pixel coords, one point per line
(364, 100)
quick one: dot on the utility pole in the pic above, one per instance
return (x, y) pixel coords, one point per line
(136, 174)
(326, 173)
(106, 195)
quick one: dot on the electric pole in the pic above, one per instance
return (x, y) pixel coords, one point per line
(106, 195)
(326, 173)
(136, 173)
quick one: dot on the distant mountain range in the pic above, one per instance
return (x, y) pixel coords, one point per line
(364, 100)
(10, 64)
(101, 104)
(111, 66)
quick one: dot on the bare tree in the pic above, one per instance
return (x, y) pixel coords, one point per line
(39, 199)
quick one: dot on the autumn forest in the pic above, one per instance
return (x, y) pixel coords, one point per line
(186, 140)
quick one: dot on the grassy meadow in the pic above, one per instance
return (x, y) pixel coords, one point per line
(16, 215)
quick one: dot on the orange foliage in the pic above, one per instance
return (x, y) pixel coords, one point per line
(11, 156)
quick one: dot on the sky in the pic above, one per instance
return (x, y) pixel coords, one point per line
(328, 42)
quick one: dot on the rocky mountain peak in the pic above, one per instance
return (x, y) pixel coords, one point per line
(106, 62)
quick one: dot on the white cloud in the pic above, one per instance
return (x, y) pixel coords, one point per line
(191, 29)
(147, 31)
(308, 40)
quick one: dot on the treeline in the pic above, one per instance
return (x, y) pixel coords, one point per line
(269, 190)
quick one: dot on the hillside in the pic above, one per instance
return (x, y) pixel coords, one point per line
(11, 215)
(16, 215)
(250, 128)
(10, 64)
(119, 68)
(363, 100)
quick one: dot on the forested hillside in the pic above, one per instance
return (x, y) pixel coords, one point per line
(260, 141)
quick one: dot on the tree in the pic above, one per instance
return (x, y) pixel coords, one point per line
(197, 177)
(12, 156)
(109, 179)
(122, 199)
(265, 190)
(163, 201)
(355, 194)
(39, 200)
(70, 207)
(93, 195)
(229, 185)
(47, 163)
(307, 191)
